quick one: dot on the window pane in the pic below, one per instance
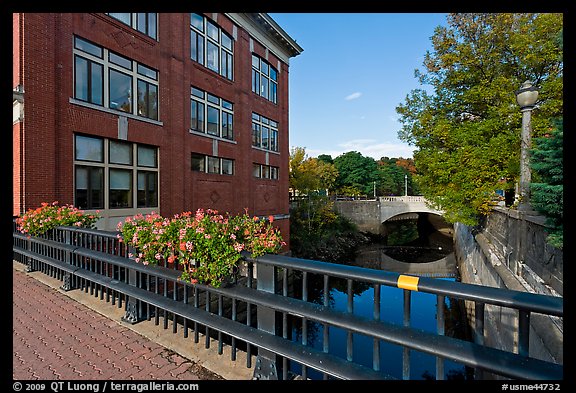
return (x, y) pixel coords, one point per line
(213, 165)
(87, 47)
(153, 102)
(264, 68)
(256, 170)
(120, 60)
(255, 135)
(120, 153)
(120, 179)
(227, 125)
(197, 109)
(213, 99)
(265, 137)
(265, 120)
(89, 149)
(97, 83)
(147, 195)
(273, 172)
(197, 21)
(81, 80)
(273, 92)
(273, 74)
(227, 105)
(96, 200)
(255, 116)
(141, 24)
(120, 188)
(256, 62)
(212, 126)
(264, 87)
(124, 17)
(226, 41)
(194, 45)
(212, 30)
(212, 58)
(255, 81)
(81, 178)
(230, 66)
(198, 161)
(273, 140)
(265, 172)
(147, 100)
(152, 24)
(149, 72)
(227, 167)
(197, 92)
(120, 91)
(147, 156)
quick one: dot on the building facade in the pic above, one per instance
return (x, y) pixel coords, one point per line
(127, 113)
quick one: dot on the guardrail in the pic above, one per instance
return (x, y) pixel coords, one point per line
(255, 315)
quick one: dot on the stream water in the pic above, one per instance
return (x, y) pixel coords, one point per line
(410, 246)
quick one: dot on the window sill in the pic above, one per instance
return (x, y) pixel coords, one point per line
(114, 112)
(210, 136)
(265, 150)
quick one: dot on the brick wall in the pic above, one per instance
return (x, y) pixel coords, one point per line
(51, 120)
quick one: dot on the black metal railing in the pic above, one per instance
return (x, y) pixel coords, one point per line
(256, 315)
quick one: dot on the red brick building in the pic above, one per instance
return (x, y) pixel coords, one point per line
(131, 113)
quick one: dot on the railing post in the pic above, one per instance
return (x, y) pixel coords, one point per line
(134, 308)
(29, 267)
(266, 360)
(67, 284)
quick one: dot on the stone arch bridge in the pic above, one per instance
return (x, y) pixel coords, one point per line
(369, 215)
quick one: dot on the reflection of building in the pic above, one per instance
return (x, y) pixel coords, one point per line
(131, 113)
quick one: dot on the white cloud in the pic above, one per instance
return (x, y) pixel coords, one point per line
(368, 148)
(353, 96)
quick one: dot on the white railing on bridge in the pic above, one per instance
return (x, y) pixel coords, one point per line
(408, 198)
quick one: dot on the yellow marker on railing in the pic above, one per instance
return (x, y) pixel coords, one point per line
(408, 282)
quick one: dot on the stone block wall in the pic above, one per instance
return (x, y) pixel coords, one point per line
(510, 251)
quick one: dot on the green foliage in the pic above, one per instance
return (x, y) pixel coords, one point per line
(310, 174)
(547, 196)
(50, 215)
(318, 232)
(206, 244)
(467, 127)
(356, 171)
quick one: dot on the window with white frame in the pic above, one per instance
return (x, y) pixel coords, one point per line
(114, 174)
(264, 133)
(211, 46)
(264, 79)
(211, 164)
(144, 22)
(262, 171)
(108, 79)
(211, 114)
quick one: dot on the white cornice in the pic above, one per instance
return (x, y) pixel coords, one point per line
(274, 38)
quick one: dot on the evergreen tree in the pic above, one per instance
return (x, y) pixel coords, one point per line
(547, 193)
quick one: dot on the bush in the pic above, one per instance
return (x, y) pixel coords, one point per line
(207, 244)
(49, 215)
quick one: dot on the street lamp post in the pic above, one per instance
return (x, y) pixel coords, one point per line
(405, 185)
(526, 98)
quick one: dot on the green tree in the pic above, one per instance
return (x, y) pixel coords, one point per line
(467, 129)
(547, 194)
(356, 172)
(310, 174)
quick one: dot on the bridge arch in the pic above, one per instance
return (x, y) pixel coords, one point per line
(404, 207)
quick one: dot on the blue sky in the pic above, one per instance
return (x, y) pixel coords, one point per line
(356, 68)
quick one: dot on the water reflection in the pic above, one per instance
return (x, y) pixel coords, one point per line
(422, 312)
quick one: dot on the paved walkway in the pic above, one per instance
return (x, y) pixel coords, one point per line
(56, 337)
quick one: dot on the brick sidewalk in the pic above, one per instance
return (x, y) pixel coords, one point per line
(55, 337)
